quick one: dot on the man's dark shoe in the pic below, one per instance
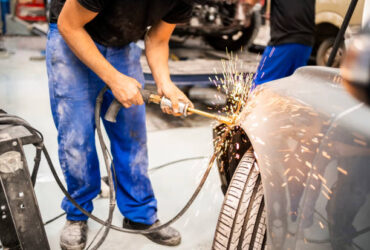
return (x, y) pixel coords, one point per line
(167, 236)
(74, 235)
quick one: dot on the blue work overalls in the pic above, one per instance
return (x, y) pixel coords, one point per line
(73, 90)
(280, 61)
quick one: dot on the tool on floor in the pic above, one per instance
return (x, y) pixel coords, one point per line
(151, 97)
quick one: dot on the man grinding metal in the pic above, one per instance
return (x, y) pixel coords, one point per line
(92, 43)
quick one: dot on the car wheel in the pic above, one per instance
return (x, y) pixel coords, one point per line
(324, 51)
(242, 220)
(237, 39)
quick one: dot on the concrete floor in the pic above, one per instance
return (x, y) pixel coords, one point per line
(24, 92)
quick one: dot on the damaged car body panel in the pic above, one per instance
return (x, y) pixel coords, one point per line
(314, 159)
(311, 154)
(236, 144)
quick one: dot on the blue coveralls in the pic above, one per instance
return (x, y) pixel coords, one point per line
(280, 61)
(73, 90)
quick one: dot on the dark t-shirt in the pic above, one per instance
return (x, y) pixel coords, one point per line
(120, 22)
(292, 21)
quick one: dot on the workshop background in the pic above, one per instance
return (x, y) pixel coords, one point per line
(24, 92)
(193, 62)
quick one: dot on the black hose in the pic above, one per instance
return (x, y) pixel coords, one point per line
(108, 223)
(98, 220)
(112, 196)
(105, 150)
(36, 165)
(125, 230)
(153, 169)
(18, 121)
(54, 219)
(176, 161)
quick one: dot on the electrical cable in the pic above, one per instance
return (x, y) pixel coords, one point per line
(153, 169)
(54, 219)
(150, 170)
(125, 230)
(94, 238)
(93, 217)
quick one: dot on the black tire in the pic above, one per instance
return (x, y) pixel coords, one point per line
(242, 220)
(324, 51)
(239, 38)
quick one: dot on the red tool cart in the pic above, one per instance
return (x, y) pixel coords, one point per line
(31, 10)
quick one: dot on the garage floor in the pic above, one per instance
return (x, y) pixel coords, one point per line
(24, 92)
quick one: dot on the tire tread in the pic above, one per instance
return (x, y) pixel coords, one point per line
(241, 223)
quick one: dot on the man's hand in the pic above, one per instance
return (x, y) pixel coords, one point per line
(126, 90)
(173, 93)
(157, 51)
(71, 23)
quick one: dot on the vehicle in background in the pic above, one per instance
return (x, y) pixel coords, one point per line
(296, 171)
(222, 24)
(329, 18)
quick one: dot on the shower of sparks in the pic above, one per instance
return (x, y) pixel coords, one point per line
(300, 172)
(327, 188)
(322, 179)
(308, 164)
(235, 83)
(286, 172)
(325, 194)
(326, 155)
(237, 86)
(342, 170)
(360, 142)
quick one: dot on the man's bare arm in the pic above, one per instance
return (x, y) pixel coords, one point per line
(157, 53)
(71, 22)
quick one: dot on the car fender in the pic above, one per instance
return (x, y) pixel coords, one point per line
(288, 122)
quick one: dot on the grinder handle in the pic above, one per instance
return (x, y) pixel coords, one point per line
(115, 106)
(183, 107)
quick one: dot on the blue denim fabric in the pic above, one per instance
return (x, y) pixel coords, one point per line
(73, 90)
(281, 61)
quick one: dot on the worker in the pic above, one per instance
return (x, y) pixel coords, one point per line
(292, 26)
(92, 43)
